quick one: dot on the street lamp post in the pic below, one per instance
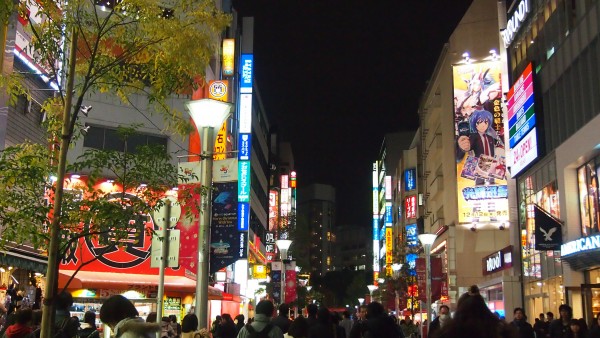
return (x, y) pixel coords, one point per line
(361, 301)
(207, 115)
(371, 289)
(427, 240)
(396, 268)
(283, 245)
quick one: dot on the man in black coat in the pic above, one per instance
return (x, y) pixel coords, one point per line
(524, 329)
(380, 325)
(444, 314)
(282, 321)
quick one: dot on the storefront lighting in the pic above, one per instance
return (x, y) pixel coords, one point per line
(75, 176)
(2, 270)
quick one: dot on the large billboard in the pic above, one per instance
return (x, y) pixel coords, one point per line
(479, 143)
(521, 122)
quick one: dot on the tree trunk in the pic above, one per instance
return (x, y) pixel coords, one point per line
(50, 291)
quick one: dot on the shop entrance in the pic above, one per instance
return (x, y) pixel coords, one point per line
(591, 301)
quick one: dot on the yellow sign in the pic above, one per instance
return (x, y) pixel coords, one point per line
(259, 271)
(228, 56)
(218, 90)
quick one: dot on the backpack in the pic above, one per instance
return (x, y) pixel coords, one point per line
(259, 334)
(67, 328)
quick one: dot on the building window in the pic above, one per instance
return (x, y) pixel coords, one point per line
(102, 138)
(589, 206)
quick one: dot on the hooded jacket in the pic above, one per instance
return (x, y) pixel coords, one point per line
(135, 328)
(17, 331)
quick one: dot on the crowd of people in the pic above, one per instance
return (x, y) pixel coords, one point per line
(471, 318)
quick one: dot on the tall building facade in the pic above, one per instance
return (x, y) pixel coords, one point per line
(463, 179)
(553, 49)
(316, 204)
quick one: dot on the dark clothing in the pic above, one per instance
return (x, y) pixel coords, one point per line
(239, 326)
(324, 330)
(558, 330)
(541, 329)
(382, 327)
(282, 322)
(434, 327)
(311, 321)
(524, 329)
(89, 332)
(228, 330)
(358, 329)
(594, 332)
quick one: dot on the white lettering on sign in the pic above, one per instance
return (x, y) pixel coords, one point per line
(580, 245)
(524, 152)
(494, 262)
(514, 22)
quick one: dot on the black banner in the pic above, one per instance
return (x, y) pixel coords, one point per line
(548, 231)
(224, 236)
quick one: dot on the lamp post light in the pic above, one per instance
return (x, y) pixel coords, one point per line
(427, 240)
(396, 268)
(207, 115)
(283, 245)
(361, 301)
(371, 289)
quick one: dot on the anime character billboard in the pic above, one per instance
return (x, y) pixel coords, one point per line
(479, 143)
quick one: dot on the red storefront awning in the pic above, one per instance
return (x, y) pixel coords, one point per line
(115, 280)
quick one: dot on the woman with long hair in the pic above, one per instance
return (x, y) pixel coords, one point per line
(474, 319)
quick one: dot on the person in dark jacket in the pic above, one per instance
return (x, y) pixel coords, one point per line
(440, 320)
(524, 329)
(595, 328)
(311, 309)
(282, 321)
(360, 324)
(541, 326)
(473, 319)
(379, 325)
(560, 328)
(228, 329)
(324, 328)
(88, 327)
(239, 322)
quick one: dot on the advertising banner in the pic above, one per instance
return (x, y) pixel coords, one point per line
(228, 59)
(224, 236)
(548, 230)
(290, 282)
(479, 143)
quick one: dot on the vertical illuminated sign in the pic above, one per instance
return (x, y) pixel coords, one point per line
(245, 144)
(375, 219)
(521, 122)
(410, 205)
(478, 119)
(410, 179)
(388, 187)
(246, 70)
(228, 56)
(389, 247)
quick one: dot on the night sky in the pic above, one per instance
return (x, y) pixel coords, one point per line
(335, 76)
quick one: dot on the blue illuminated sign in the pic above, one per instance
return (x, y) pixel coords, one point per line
(388, 215)
(375, 229)
(246, 68)
(245, 145)
(243, 216)
(243, 181)
(411, 260)
(412, 239)
(410, 179)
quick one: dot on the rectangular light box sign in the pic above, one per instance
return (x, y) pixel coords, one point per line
(243, 216)
(245, 145)
(228, 56)
(246, 68)
(244, 181)
(246, 113)
(524, 152)
(410, 179)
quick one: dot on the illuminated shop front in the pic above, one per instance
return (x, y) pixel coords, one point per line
(583, 254)
(542, 269)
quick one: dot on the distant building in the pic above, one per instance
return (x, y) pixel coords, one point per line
(316, 204)
(353, 248)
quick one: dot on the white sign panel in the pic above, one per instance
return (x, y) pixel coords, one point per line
(524, 152)
(246, 113)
